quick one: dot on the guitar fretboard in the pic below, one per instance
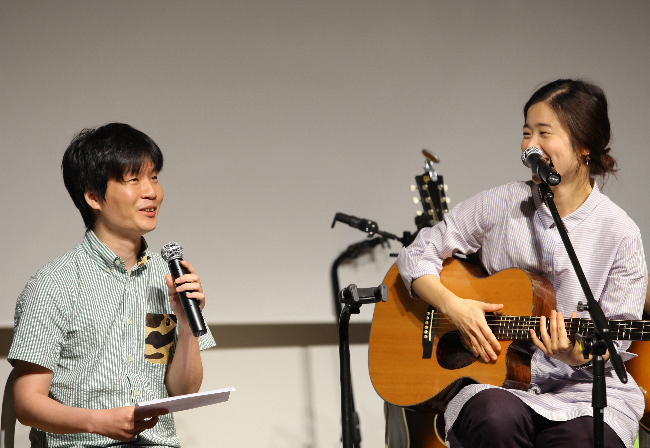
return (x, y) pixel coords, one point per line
(518, 327)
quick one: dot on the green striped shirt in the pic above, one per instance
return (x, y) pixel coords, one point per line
(88, 320)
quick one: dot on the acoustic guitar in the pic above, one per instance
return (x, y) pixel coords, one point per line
(414, 428)
(417, 358)
(638, 368)
(406, 428)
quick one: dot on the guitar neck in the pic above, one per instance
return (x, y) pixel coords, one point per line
(518, 327)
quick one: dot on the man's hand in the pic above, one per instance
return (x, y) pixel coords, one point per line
(191, 285)
(185, 372)
(123, 423)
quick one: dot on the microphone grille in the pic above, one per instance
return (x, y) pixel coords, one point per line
(530, 150)
(171, 251)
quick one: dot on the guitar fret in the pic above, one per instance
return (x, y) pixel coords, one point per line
(518, 327)
(638, 330)
(623, 331)
(523, 329)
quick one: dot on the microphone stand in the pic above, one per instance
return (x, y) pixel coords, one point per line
(598, 343)
(350, 418)
(352, 297)
(353, 251)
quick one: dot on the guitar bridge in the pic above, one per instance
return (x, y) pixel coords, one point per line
(427, 333)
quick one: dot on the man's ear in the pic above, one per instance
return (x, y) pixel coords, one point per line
(93, 200)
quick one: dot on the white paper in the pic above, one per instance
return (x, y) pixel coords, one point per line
(184, 402)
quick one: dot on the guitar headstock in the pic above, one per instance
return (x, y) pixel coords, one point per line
(432, 189)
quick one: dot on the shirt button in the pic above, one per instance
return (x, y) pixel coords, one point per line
(117, 262)
(128, 284)
(108, 269)
(137, 393)
(130, 321)
(549, 269)
(130, 358)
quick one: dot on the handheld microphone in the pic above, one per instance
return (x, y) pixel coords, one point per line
(172, 253)
(533, 158)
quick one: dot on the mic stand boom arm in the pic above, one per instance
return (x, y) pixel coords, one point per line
(371, 228)
(601, 339)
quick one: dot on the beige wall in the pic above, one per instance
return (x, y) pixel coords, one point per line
(275, 115)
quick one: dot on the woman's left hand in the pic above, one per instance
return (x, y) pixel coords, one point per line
(557, 344)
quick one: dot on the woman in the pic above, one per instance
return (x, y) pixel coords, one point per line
(510, 226)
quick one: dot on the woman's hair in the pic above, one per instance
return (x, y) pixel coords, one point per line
(97, 155)
(581, 108)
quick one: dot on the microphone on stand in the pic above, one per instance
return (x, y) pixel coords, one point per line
(533, 158)
(365, 225)
(172, 253)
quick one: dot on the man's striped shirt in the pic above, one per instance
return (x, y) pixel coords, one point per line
(107, 334)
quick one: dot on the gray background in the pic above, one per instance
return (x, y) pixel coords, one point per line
(275, 115)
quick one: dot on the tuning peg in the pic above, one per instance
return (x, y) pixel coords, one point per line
(413, 188)
(446, 187)
(447, 200)
(418, 213)
(416, 200)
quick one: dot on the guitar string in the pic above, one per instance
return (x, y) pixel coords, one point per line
(534, 320)
(520, 326)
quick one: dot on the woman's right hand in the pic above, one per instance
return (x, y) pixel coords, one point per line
(467, 315)
(469, 318)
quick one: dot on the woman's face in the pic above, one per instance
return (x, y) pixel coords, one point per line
(543, 129)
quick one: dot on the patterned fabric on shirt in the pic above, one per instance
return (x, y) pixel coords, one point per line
(88, 320)
(509, 226)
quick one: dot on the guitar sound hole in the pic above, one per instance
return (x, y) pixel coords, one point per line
(451, 352)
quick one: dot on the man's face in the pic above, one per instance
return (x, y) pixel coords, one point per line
(131, 205)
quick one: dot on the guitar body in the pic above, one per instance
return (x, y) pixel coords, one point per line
(638, 368)
(409, 429)
(403, 377)
(425, 430)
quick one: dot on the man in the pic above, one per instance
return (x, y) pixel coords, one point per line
(101, 327)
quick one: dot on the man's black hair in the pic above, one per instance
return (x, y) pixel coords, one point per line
(108, 152)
